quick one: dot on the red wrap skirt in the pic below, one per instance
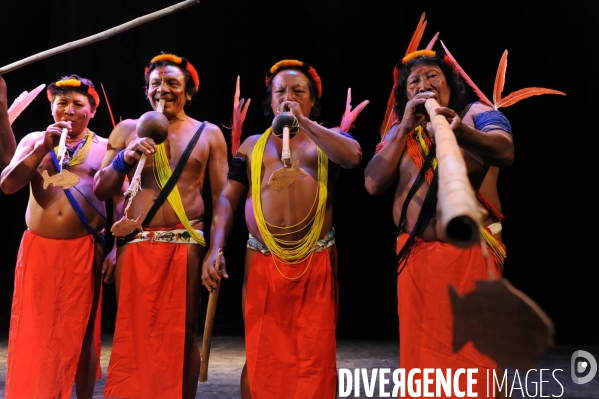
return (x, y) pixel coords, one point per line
(290, 327)
(149, 337)
(424, 308)
(51, 307)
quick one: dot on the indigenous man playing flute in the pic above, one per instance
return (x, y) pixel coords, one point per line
(60, 261)
(7, 138)
(427, 262)
(155, 352)
(290, 286)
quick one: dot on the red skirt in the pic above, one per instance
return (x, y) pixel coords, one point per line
(290, 328)
(424, 308)
(149, 336)
(52, 302)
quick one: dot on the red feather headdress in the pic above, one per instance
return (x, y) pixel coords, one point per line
(499, 102)
(75, 85)
(302, 66)
(180, 62)
(411, 52)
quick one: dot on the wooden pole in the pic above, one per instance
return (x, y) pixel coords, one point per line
(98, 36)
(459, 214)
(210, 312)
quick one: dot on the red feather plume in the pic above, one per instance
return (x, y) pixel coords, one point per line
(239, 112)
(417, 36)
(349, 116)
(108, 105)
(413, 46)
(518, 95)
(432, 42)
(521, 94)
(500, 79)
(483, 99)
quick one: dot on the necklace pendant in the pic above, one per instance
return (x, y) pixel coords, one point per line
(126, 226)
(64, 179)
(283, 177)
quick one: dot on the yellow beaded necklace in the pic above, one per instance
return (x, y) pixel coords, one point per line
(162, 172)
(80, 154)
(294, 251)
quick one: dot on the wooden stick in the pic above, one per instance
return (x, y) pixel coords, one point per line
(210, 312)
(459, 215)
(98, 36)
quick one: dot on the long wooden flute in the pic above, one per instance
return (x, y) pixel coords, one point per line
(457, 205)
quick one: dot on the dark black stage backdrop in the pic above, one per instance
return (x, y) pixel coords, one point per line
(549, 228)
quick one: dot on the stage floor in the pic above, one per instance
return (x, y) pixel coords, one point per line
(227, 358)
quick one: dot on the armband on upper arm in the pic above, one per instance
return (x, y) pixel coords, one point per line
(344, 134)
(238, 171)
(485, 119)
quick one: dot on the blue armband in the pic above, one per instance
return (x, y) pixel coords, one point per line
(119, 164)
(347, 135)
(494, 118)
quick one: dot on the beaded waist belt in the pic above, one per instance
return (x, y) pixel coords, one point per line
(174, 236)
(325, 242)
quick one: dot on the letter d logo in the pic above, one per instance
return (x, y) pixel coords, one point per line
(581, 367)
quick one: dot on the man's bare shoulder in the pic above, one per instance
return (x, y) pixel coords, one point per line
(122, 132)
(30, 138)
(209, 126)
(100, 144)
(210, 129)
(25, 146)
(101, 140)
(245, 149)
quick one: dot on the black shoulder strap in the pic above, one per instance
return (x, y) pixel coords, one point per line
(168, 186)
(174, 177)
